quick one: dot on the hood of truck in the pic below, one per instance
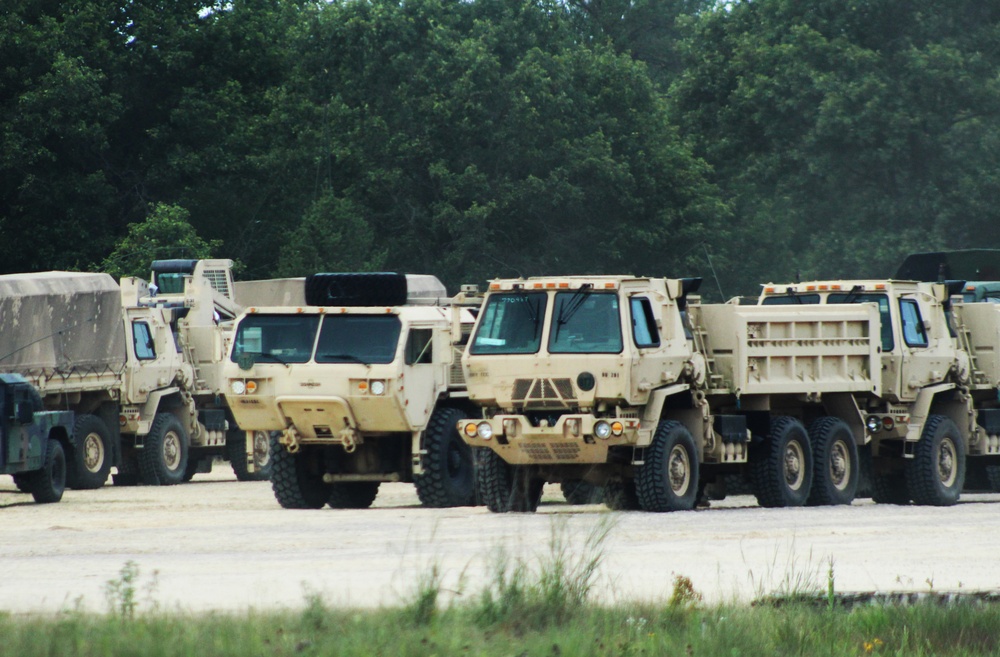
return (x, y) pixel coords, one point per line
(546, 382)
(319, 398)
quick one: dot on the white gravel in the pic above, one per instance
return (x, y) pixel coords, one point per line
(219, 544)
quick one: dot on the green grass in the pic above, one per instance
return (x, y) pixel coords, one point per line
(460, 630)
(536, 606)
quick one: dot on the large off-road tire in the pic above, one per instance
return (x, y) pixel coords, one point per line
(47, 485)
(128, 468)
(164, 457)
(668, 478)
(993, 476)
(449, 477)
(236, 452)
(577, 491)
(89, 461)
(835, 462)
(505, 488)
(296, 479)
(620, 495)
(352, 495)
(936, 475)
(781, 468)
(889, 487)
(23, 482)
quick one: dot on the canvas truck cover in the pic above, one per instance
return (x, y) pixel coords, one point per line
(57, 324)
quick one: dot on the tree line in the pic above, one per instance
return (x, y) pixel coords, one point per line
(740, 141)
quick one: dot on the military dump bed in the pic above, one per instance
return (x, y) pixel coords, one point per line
(631, 384)
(937, 417)
(362, 385)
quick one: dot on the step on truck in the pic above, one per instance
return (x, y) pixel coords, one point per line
(937, 417)
(361, 384)
(631, 384)
(33, 441)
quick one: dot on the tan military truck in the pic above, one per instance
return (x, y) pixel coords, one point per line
(630, 384)
(174, 418)
(938, 411)
(138, 365)
(362, 385)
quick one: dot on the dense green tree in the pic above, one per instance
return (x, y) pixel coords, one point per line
(847, 132)
(165, 233)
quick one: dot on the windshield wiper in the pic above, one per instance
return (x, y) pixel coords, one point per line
(348, 357)
(794, 295)
(570, 307)
(274, 356)
(852, 295)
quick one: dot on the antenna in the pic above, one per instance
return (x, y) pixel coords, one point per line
(722, 296)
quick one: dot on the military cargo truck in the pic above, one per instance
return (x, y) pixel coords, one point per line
(33, 441)
(629, 383)
(938, 410)
(361, 386)
(137, 364)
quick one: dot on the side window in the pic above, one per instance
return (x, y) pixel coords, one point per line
(913, 325)
(143, 341)
(644, 330)
(419, 346)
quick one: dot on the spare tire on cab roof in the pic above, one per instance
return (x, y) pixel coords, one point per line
(356, 289)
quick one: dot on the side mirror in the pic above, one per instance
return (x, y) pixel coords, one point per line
(23, 413)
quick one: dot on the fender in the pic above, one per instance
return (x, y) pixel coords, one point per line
(149, 409)
(921, 409)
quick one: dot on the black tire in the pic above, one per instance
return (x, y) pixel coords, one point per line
(621, 495)
(993, 475)
(47, 485)
(352, 495)
(236, 452)
(128, 469)
(889, 487)
(23, 482)
(781, 467)
(505, 488)
(164, 457)
(297, 479)
(89, 461)
(449, 473)
(577, 491)
(668, 478)
(936, 475)
(836, 465)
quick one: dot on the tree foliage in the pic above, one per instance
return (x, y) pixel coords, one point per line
(166, 233)
(472, 139)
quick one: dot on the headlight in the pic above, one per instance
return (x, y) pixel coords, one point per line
(378, 387)
(238, 386)
(873, 424)
(484, 430)
(602, 430)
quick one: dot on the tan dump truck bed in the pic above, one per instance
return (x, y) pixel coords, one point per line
(982, 321)
(62, 330)
(802, 350)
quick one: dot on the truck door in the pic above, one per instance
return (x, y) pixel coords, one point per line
(420, 378)
(924, 360)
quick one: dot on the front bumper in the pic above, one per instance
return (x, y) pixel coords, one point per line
(572, 439)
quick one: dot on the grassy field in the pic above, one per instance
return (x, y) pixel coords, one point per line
(528, 608)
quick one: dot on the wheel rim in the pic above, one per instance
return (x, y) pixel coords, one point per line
(840, 465)
(793, 462)
(93, 452)
(947, 461)
(679, 470)
(172, 450)
(261, 449)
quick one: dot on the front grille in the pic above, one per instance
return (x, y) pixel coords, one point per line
(543, 393)
(555, 452)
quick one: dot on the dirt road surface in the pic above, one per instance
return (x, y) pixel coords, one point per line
(219, 544)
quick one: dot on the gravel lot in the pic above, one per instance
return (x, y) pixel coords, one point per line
(219, 544)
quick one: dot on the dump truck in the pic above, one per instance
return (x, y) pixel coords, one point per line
(632, 384)
(137, 364)
(360, 385)
(938, 412)
(33, 441)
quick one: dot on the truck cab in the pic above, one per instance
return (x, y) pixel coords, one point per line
(355, 385)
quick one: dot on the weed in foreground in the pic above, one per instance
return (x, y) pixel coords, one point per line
(122, 593)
